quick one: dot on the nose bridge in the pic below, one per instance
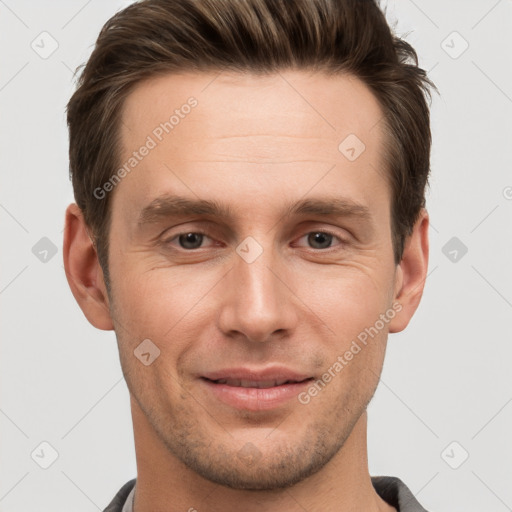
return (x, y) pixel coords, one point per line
(256, 281)
(258, 304)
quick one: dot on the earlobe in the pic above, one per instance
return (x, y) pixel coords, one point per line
(411, 273)
(83, 271)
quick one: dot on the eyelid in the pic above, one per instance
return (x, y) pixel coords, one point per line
(205, 232)
(342, 241)
(175, 237)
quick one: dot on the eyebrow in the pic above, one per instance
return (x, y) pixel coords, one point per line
(339, 207)
(176, 206)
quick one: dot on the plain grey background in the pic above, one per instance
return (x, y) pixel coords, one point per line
(442, 416)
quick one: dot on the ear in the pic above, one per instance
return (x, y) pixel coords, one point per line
(83, 271)
(411, 273)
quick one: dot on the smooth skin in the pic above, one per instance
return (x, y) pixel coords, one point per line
(256, 145)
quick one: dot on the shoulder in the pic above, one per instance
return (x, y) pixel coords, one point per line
(116, 505)
(392, 490)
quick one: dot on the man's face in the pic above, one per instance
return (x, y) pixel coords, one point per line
(259, 285)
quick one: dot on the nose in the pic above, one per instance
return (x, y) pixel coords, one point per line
(257, 303)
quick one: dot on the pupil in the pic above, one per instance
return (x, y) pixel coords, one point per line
(320, 239)
(191, 240)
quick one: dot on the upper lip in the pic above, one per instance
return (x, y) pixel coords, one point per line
(277, 373)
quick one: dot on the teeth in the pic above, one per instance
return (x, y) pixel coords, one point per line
(252, 383)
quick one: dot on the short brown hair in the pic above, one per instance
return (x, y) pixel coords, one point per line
(155, 37)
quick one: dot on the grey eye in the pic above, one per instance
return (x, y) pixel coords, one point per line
(320, 240)
(191, 240)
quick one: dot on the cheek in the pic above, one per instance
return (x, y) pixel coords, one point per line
(158, 303)
(355, 346)
(348, 300)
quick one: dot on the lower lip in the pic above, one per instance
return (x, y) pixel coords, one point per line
(256, 399)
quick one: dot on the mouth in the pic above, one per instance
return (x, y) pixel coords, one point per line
(259, 384)
(256, 393)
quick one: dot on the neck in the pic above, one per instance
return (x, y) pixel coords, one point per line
(165, 484)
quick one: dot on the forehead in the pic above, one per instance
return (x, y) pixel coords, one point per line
(234, 103)
(247, 127)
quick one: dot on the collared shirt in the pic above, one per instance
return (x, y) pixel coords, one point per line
(391, 489)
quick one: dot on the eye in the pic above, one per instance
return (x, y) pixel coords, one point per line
(189, 241)
(321, 239)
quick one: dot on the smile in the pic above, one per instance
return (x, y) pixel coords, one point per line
(254, 395)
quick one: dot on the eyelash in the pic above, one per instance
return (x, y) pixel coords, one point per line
(341, 241)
